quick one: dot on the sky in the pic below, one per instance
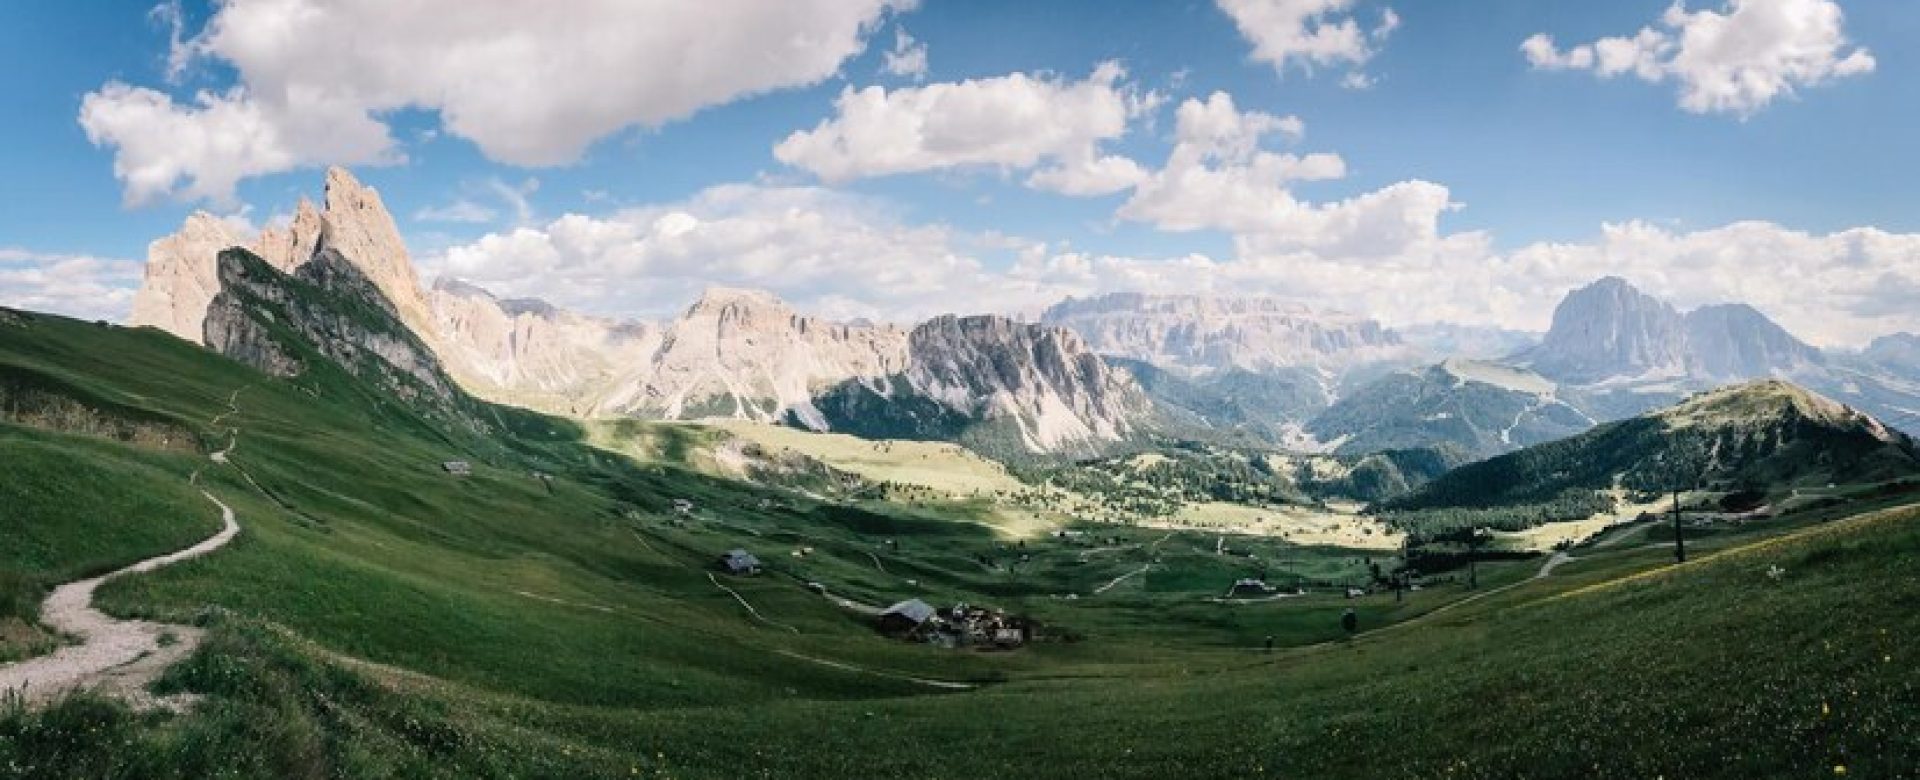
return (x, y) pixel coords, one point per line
(1414, 161)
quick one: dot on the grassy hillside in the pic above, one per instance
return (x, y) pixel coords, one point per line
(379, 617)
(1768, 438)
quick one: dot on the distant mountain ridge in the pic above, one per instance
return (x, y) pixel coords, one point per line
(732, 353)
(1219, 367)
(1610, 330)
(1202, 334)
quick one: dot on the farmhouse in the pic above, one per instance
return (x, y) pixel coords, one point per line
(906, 617)
(458, 468)
(738, 561)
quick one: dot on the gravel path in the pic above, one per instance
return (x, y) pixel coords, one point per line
(117, 657)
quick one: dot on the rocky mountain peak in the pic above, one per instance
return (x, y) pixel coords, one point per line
(1042, 378)
(1735, 340)
(181, 277)
(1607, 329)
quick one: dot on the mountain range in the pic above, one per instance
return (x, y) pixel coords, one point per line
(1091, 375)
(733, 353)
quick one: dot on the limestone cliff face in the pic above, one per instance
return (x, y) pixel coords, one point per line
(733, 353)
(744, 353)
(1043, 379)
(182, 269)
(181, 278)
(336, 311)
(532, 354)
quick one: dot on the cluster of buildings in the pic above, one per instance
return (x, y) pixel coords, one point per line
(961, 626)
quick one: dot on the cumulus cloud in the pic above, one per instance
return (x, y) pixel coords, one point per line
(1736, 60)
(1015, 122)
(1218, 177)
(845, 256)
(1834, 289)
(1310, 33)
(907, 58)
(81, 286)
(830, 252)
(530, 87)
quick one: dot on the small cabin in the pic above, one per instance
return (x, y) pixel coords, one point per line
(906, 617)
(458, 468)
(1251, 587)
(739, 562)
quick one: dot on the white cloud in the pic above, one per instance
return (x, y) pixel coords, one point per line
(81, 286)
(907, 58)
(847, 256)
(1308, 33)
(199, 151)
(1736, 60)
(529, 86)
(825, 251)
(1012, 122)
(1218, 177)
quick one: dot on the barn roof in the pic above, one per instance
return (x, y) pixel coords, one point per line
(912, 609)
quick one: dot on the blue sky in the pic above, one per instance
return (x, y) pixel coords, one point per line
(1535, 158)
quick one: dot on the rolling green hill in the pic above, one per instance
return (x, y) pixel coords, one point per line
(1767, 437)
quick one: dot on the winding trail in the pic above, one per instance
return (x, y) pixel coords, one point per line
(1121, 578)
(1546, 569)
(847, 667)
(118, 657)
(743, 602)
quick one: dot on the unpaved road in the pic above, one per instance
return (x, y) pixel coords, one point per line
(1122, 578)
(118, 657)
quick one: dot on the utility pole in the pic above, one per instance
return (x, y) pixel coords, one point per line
(1679, 538)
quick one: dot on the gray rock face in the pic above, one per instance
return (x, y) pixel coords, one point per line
(1043, 379)
(333, 307)
(746, 354)
(1736, 341)
(182, 277)
(531, 354)
(1201, 334)
(1609, 329)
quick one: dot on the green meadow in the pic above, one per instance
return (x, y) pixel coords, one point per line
(380, 617)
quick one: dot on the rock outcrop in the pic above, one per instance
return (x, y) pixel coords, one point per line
(531, 354)
(1610, 329)
(331, 308)
(182, 277)
(1043, 379)
(182, 269)
(745, 354)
